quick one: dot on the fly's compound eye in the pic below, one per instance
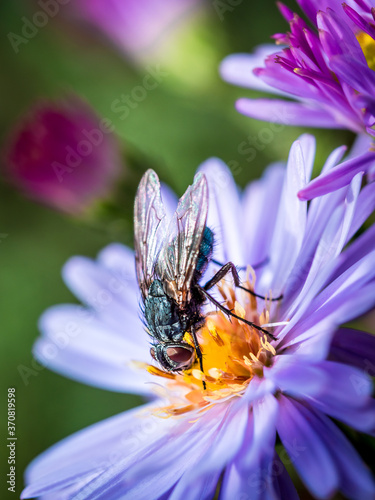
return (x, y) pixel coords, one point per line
(182, 357)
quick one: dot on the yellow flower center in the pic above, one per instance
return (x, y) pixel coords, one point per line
(233, 353)
(367, 44)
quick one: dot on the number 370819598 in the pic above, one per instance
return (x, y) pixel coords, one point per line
(11, 411)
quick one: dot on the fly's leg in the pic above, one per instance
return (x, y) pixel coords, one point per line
(230, 267)
(227, 268)
(229, 312)
(199, 353)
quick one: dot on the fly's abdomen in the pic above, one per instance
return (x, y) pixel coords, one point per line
(205, 251)
(161, 315)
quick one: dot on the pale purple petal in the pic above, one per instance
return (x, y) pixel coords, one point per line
(293, 376)
(238, 68)
(181, 451)
(261, 436)
(265, 480)
(334, 237)
(355, 348)
(287, 113)
(361, 247)
(120, 260)
(93, 450)
(342, 308)
(116, 300)
(337, 177)
(355, 478)
(319, 214)
(291, 220)
(284, 487)
(228, 441)
(202, 487)
(224, 214)
(258, 388)
(260, 215)
(308, 147)
(346, 396)
(362, 143)
(76, 344)
(252, 471)
(308, 453)
(336, 389)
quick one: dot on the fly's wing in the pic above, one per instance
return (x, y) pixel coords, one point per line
(149, 229)
(178, 256)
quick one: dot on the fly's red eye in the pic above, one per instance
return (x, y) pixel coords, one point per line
(153, 354)
(179, 354)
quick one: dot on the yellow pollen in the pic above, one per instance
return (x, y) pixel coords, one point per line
(250, 273)
(239, 310)
(154, 370)
(264, 317)
(253, 357)
(215, 373)
(367, 44)
(199, 375)
(213, 332)
(267, 346)
(233, 353)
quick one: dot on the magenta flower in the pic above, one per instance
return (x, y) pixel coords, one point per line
(327, 70)
(135, 25)
(62, 154)
(180, 444)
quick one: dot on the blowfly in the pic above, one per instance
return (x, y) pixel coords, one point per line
(170, 262)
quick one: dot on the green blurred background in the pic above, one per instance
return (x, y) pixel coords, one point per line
(189, 117)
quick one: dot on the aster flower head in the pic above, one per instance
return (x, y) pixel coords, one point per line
(63, 155)
(187, 438)
(326, 72)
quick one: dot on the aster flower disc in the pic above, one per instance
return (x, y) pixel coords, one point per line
(233, 353)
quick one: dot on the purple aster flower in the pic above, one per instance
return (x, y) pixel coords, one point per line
(62, 154)
(186, 439)
(327, 70)
(135, 26)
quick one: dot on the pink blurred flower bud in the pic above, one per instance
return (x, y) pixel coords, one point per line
(62, 154)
